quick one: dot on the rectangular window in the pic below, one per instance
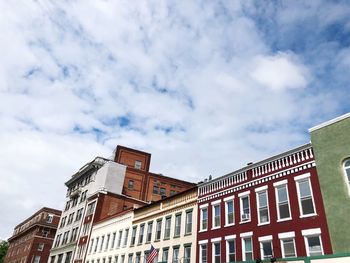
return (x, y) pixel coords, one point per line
(247, 249)
(102, 241)
(216, 252)
(288, 248)
(245, 208)
(131, 186)
(126, 235)
(314, 245)
(203, 253)
(120, 235)
(167, 228)
(113, 239)
(306, 202)
(63, 221)
(204, 218)
(158, 230)
(216, 216)
(187, 254)
(40, 247)
(188, 228)
(90, 208)
(138, 164)
(165, 255)
(74, 234)
(155, 190)
(130, 258)
(49, 218)
(79, 214)
(266, 249)
(149, 232)
(133, 236)
(142, 227)
(230, 215)
(176, 255)
(177, 225)
(283, 208)
(162, 191)
(263, 209)
(36, 259)
(91, 245)
(60, 257)
(107, 241)
(116, 259)
(138, 258)
(230, 250)
(96, 245)
(122, 258)
(68, 257)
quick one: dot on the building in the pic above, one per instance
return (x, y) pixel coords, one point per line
(272, 208)
(104, 188)
(331, 144)
(168, 225)
(32, 239)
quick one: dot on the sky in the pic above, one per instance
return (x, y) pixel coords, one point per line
(204, 86)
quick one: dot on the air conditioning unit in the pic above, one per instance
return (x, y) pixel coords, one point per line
(245, 217)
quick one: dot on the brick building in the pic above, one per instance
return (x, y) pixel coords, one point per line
(32, 239)
(102, 189)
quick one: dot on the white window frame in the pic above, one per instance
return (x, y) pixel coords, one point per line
(214, 204)
(345, 174)
(244, 236)
(241, 196)
(314, 232)
(297, 179)
(261, 241)
(226, 200)
(277, 185)
(284, 236)
(201, 243)
(215, 241)
(202, 207)
(228, 239)
(257, 192)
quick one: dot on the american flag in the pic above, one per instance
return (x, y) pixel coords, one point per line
(152, 253)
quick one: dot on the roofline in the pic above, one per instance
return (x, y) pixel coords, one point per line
(254, 165)
(47, 225)
(171, 178)
(330, 122)
(48, 209)
(120, 147)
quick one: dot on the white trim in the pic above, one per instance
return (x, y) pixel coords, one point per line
(213, 250)
(227, 246)
(229, 198)
(279, 219)
(216, 202)
(261, 188)
(329, 122)
(310, 232)
(282, 247)
(226, 212)
(230, 237)
(345, 175)
(241, 209)
(201, 242)
(213, 226)
(216, 239)
(285, 181)
(201, 218)
(290, 234)
(267, 206)
(246, 234)
(243, 244)
(244, 193)
(303, 176)
(265, 238)
(299, 198)
(203, 206)
(306, 241)
(263, 256)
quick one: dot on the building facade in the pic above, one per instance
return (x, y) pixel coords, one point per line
(270, 209)
(104, 188)
(32, 239)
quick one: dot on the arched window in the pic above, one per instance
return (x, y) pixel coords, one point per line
(347, 172)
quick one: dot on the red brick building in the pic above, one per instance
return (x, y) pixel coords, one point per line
(270, 209)
(32, 239)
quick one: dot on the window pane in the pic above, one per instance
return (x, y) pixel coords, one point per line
(204, 253)
(284, 210)
(307, 206)
(267, 249)
(347, 163)
(314, 246)
(289, 249)
(262, 199)
(264, 215)
(304, 188)
(282, 194)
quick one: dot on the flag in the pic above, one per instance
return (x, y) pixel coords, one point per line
(152, 253)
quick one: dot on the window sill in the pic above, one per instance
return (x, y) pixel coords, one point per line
(202, 230)
(284, 219)
(228, 225)
(176, 236)
(166, 238)
(264, 224)
(309, 215)
(217, 227)
(245, 222)
(157, 240)
(188, 234)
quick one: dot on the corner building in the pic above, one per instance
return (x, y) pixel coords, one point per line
(270, 209)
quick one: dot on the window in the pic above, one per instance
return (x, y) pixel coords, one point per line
(313, 242)
(245, 207)
(306, 202)
(176, 254)
(49, 218)
(83, 196)
(70, 218)
(126, 235)
(63, 221)
(74, 201)
(172, 192)
(122, 258)
(109, 259)
(216, 216)
(138, 164)
(52, 259)
(165, 254)
(167, 228)
(96, 245)
(204, 219)
(142, 227)
(73, 237)
(158, 230)
(188, 227)
(177, 225)
(155, 190)
(67, 206)
(187, 254)
(91, 245)
(346, 167)
(263, 209)
(45, 233)
(60, 257)
(288, 247)
(230, 250)
(116, 259)
(216, 252)
(113, 239)
(266, 249)
(149, 232)
(107, 241)
(102, 241)
(162, 191)
(283, 208)
(40, 247)
(247, 248)
(79, 214)
(131, 186)
(120, 238)
(230, 215)
(133, 236)
(130, 258)
(203, 253)
(58, 240)
(68, 257)
(36, 259)
(65, 237)
(90, 208)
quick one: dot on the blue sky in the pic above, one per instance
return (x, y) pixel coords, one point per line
(205, 86)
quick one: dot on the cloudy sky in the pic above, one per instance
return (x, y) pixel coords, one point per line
(205, 86)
